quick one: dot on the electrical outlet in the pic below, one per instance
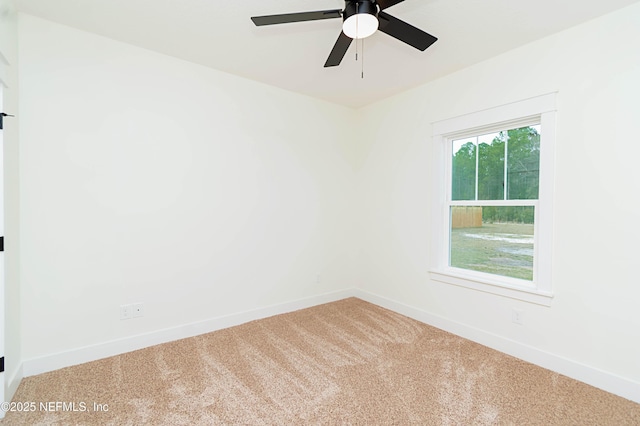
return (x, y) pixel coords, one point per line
(126, 312)
(133, 310)
(517, 316)
(138, 309)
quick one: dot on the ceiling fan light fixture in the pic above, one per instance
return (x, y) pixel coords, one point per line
(360, 19)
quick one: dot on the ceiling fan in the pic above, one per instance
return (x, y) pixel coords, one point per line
(361, 18)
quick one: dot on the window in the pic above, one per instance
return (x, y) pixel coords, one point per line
(493, 226)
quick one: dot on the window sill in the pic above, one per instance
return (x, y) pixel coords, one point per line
(527, 294)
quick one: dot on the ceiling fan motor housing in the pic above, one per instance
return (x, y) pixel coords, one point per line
(352, 7)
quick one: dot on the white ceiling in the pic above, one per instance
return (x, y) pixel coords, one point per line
(220, 35)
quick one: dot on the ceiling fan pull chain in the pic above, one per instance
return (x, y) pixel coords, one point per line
(362, 62)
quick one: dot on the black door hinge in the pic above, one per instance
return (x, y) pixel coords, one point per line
(2, 116)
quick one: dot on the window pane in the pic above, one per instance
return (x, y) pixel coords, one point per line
(463, 185)
(491, 166)
(495, 240)
(523, 163)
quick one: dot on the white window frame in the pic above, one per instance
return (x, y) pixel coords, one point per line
(538, 110)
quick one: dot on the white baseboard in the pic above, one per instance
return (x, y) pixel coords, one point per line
(601, 379)
(609, 382)
(12, 383)
(81, 355)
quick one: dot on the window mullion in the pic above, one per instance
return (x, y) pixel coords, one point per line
(506, 156)
(472, 203)
(477, 164)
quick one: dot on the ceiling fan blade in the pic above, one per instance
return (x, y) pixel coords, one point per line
(405, 32)
(296, 17)
(338, 51)
(383, 4)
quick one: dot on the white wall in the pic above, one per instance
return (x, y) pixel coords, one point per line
(255, 191)
(12, 307)
(149, 179)
(594, 318)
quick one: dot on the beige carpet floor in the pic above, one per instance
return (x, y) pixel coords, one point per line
(347, 362)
